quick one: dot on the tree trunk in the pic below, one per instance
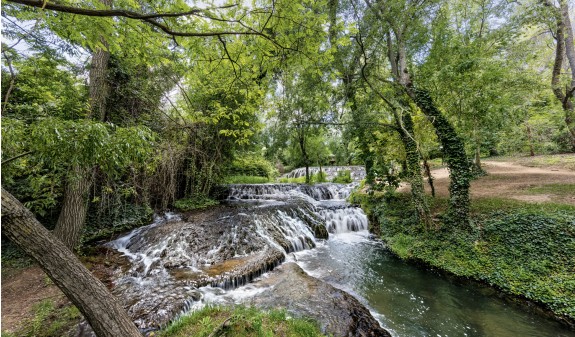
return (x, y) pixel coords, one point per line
(75, 208)
(89, 295)
(99, 88)
(412, 163)
(530, 139)
(429, 176)
(304, 155)
(72, 216)
(454, 155)
(564, 47)
(568, 104)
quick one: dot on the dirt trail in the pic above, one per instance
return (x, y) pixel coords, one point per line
(513, 181)
(21, 290)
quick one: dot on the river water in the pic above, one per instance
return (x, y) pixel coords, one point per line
(410, 301)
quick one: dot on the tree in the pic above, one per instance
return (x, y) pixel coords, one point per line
(403, 28)
(564, 86)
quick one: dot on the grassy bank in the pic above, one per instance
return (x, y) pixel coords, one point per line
(240, 321)
(524, 249)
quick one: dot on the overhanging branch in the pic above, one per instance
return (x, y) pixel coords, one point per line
(148, 18)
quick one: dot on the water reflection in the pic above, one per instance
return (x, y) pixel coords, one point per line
(412, 302)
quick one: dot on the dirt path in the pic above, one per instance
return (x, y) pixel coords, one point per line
(21, 290)
(513, 181)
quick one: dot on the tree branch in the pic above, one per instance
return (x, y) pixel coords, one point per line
(16, 157)
(12, 79)
(148, 18)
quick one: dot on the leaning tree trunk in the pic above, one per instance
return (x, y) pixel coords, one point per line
(89, 295)
(454, 156)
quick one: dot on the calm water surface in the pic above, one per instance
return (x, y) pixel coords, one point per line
(412, 302)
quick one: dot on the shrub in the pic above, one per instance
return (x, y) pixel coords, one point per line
(251, 165)
(343, 177)
(199, 201)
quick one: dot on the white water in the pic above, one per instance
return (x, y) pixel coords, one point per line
(170, 257)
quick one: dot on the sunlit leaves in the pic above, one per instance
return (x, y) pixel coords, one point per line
(85, 143)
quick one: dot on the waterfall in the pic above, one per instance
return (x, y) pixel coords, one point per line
(227, 246)
(349, 219)
(357, 173)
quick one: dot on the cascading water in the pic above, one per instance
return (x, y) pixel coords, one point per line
(228, 247)
(176, 265)
(357, 173)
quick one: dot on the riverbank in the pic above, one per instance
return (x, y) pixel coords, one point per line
(522, 238)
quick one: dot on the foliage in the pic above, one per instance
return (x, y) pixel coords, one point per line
(343, 177)
(117, 217)
(50, 319)
(521, 248)
(242, 321)
(241, 179)
(196, 202)
(57, 145)
(252, 165)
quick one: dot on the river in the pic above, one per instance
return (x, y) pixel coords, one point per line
(410, 301)
(218, 257)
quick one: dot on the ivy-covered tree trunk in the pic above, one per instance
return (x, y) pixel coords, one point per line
(454, 156)
(413, 168)
(89, 295)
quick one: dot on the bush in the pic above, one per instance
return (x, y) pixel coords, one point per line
(524, 249)
(251, 165)
(343, 177)
(197, 202)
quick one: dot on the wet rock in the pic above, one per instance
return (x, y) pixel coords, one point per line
(337, 312)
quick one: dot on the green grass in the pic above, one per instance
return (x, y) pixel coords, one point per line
(49, 320)
(486, 205)
(522, 248)
(242, 179)
(300, 180)
(240, 321)
(197, 202)
(558, 189)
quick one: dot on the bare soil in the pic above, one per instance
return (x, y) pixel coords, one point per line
(23, 288)
(512, 181)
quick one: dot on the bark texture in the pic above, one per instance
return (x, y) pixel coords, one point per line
(91, 297)
(72, 216)
(564, 47)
